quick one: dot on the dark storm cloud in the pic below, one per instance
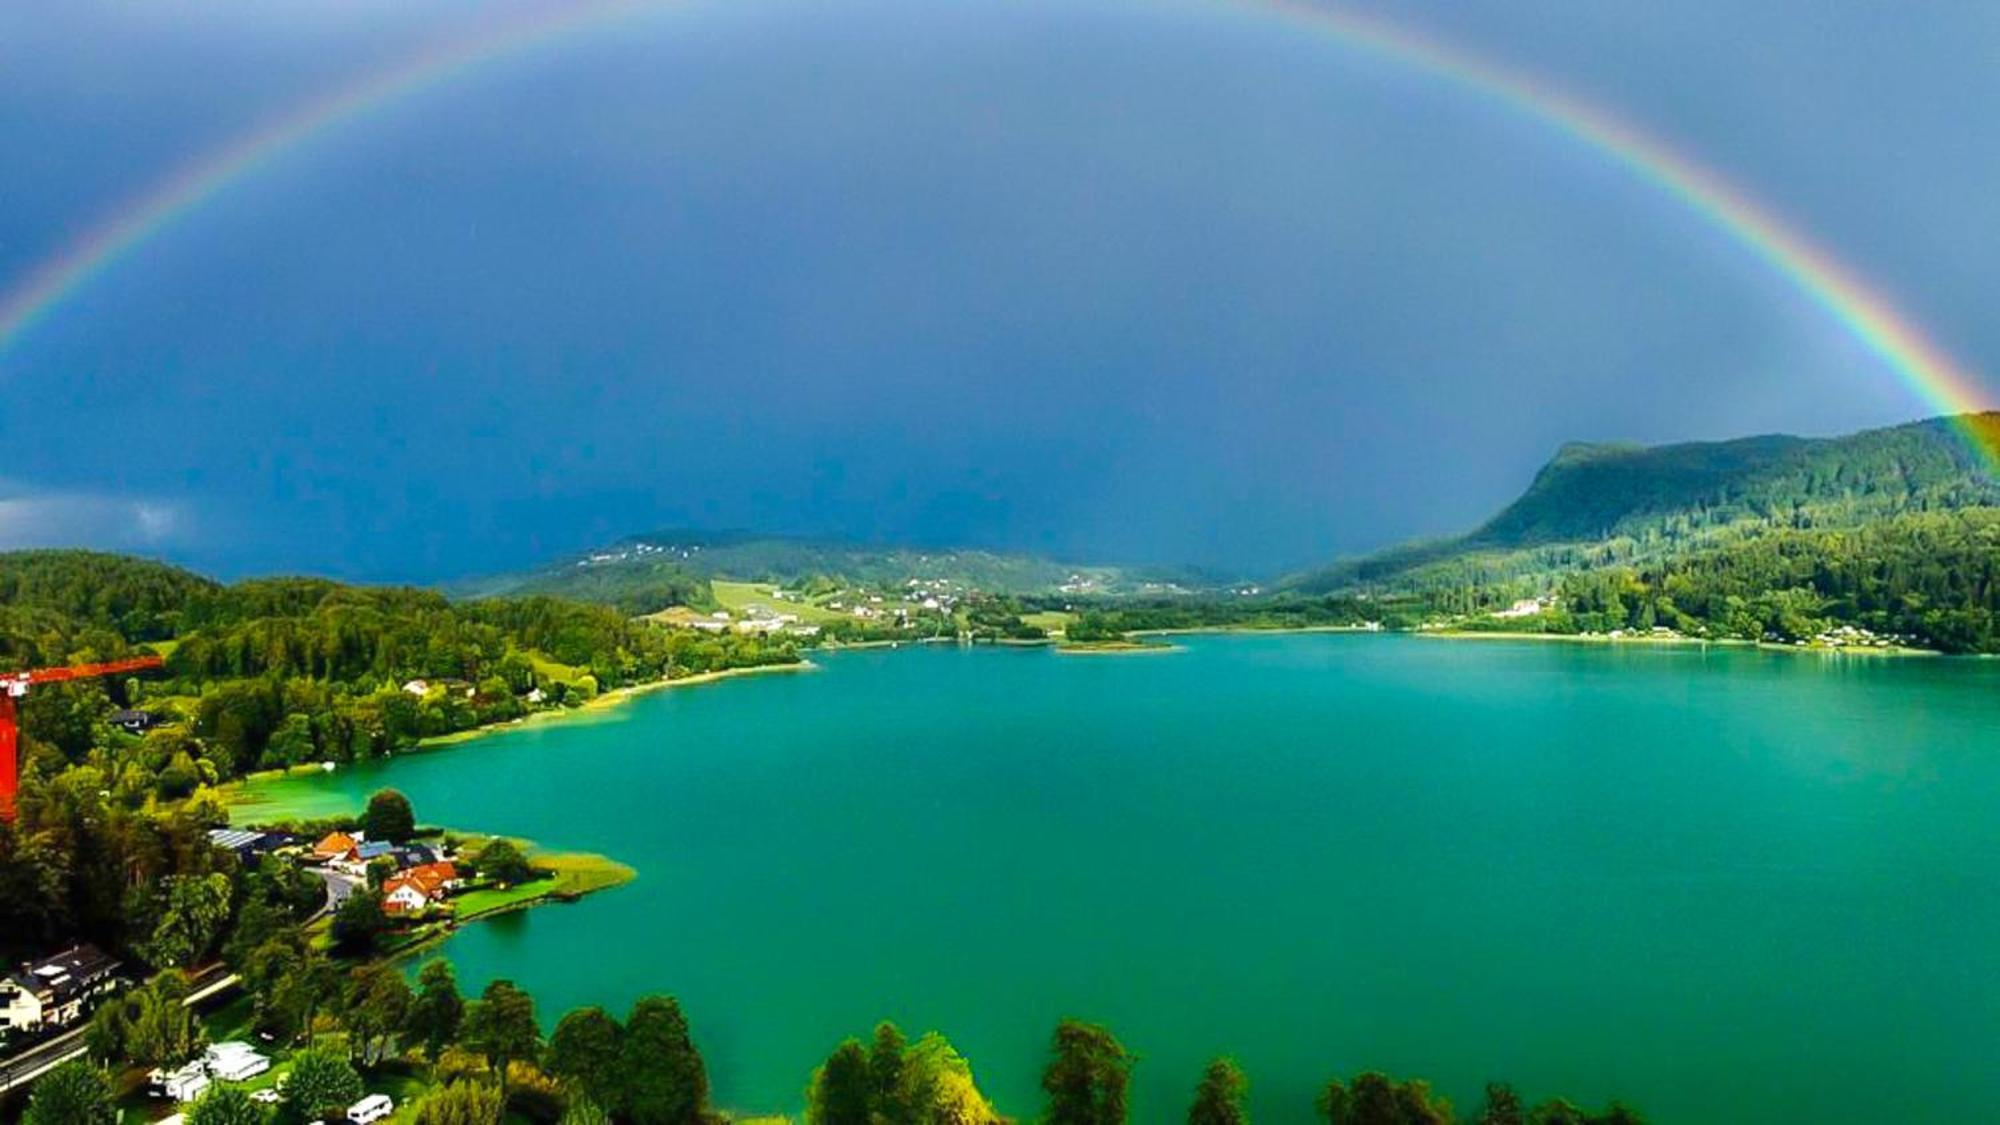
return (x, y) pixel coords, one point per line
(1137, 281)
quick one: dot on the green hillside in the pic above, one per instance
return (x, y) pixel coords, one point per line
(1600, 505)
(1894, 533)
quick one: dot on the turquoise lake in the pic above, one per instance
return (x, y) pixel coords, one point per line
(1721, 884)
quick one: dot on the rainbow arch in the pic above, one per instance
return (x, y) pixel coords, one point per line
(1860, 309)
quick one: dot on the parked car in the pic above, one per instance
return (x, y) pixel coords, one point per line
(371, 1109)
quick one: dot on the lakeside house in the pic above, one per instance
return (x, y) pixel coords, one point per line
(1525, 607)
(420, 888)
(56, 991)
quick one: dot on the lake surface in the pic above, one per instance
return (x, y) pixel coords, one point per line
(1722, 884)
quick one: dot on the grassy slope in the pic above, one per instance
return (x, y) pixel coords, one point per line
(739, 596)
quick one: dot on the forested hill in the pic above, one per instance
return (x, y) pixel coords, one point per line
(644, 573)
(1602, 504)
(275, 671)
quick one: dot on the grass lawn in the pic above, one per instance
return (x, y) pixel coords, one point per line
(575, 873)
(738, 596)
(1052, 621)
(547, 669)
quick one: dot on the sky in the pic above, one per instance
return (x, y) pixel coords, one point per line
(1163, 281)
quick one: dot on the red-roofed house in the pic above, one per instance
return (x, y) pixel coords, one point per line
(335, 847)
(419, 888)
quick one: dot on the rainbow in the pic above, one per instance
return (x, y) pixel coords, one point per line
(1861, 310)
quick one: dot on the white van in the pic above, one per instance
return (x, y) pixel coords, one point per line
(371, 1109)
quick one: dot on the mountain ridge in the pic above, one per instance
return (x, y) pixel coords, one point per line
(1599, 503)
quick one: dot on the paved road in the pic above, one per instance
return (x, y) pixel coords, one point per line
(339, 888)
(33, 1062)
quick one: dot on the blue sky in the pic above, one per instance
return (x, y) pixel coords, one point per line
(1109, 280)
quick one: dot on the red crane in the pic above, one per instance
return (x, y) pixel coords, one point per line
(14, 685)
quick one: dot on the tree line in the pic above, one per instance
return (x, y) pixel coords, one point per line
(487, 1057)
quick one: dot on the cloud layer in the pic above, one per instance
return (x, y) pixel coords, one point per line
(31, 518)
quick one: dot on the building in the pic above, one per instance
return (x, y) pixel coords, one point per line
(335, 847)
(136, 722)
(56, 991)
(418, 889)
(414, 855)
(234, 1061)
(182, 1085)
(245, 844)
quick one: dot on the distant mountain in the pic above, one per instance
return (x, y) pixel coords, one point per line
(1613, 504)
(644, 573)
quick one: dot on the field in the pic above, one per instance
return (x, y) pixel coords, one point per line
(1051, 621)
(736, 597)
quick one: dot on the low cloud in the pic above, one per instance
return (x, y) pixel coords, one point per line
(38, 518)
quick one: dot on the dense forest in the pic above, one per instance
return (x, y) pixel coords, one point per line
(259, 674)
(1895, 532)
(1596, 506)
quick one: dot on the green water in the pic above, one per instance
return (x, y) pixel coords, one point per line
(1724, 885)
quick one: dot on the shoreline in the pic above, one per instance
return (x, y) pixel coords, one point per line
(233, 791)
(1116, 649)
(1251, 630)
(1673, 641)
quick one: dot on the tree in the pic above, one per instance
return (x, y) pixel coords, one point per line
(75, 1093)
(438, 1011)
(360, 922)
(1557, 1111)
(302, 982)
(584, 1050)
(502, 862)
(842, 1089)
(389, 817)
(1373, 1099)
(322, 1085)
(226, 1105)
(886, 1072)
(939, 1087)
(110, 1026)
(502, 1028)
(583, 1111)
(378, 1007)
(193, 909)
(160, 1028)
(462, 1103)
(1503, 1106)
(1218, 1099)
(665, 1082)
(1086, 1081)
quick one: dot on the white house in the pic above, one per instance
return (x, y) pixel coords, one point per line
(56, 991)
(185, 1084)
(234, 1061)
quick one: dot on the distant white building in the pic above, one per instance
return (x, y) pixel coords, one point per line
(1526, 607)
